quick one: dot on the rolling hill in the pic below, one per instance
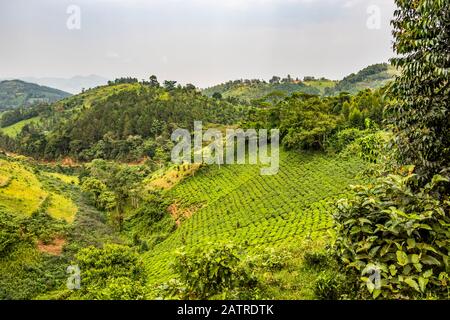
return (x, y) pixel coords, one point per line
(73, 85)
(132, 115)
(247, 90)
(17, 93)
(372, 77)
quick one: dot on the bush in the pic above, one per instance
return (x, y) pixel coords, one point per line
(316, 259)
(204, 273)
(344, 138)
(370, 147)
(399, 230)
(9, 233)
(329, 286)
(112, 272)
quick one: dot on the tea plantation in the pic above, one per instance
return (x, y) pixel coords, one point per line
(236, 203)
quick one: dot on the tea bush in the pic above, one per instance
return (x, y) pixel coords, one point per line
(204, 273)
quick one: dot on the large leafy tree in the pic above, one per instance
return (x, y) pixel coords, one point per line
(399, 227)
(420, 113)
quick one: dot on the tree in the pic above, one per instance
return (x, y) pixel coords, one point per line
(217, 95)
(93, 186)
(169, 84)
(420, 114)
(275, 80)
(190, 87)
(154, 81)
(356, 118)
(399, 225)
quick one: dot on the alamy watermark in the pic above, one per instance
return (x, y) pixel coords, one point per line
(74, 20)
(374, 20)
(373, 281)
(74, 278)
(237, 147)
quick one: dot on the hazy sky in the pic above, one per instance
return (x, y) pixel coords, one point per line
(199, 41)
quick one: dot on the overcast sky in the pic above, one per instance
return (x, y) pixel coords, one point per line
(203, 42)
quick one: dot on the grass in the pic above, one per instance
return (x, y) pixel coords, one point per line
(13, 130)
(16, 128)
(171, 177)
(22, 192)
(236, 203)
(62, 207)
(64, 178)
(321, 84)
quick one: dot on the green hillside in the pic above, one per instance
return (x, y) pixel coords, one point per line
(17, 93)
(23, 192)
(14, 129)
(248, 90)
(235, 203)
(371, 77)
(135, 117)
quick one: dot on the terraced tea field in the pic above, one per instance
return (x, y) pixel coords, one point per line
(236, 203)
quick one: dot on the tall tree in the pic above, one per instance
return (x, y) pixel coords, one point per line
(420, 114)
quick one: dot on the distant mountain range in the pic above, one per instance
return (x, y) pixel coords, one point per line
(18, 93)
(73, 85)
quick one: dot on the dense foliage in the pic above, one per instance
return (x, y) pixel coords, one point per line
(399, 226)
(420, 113)
(203, 273)
(113, 272)
(132, 123)
(312, 122)
(402, 234)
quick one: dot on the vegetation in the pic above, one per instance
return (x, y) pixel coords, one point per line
(359, 208)
(132, 122)
(399, 226)
(372, 77)
(17, 93)
(248, 90)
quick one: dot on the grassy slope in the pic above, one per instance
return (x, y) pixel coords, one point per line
(86, 98)
(321, 85)
(70, 105)
(374, 81)
(14, 130)
(28, 273)
(22, 192)
(237, 203)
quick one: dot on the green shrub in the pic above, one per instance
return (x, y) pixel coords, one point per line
(121, 288)
(400, 230)
(112, 272)
(9, 233)
(344, 138)
(371, 147)
(329, 286)
(316, 259)
(204, 273)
